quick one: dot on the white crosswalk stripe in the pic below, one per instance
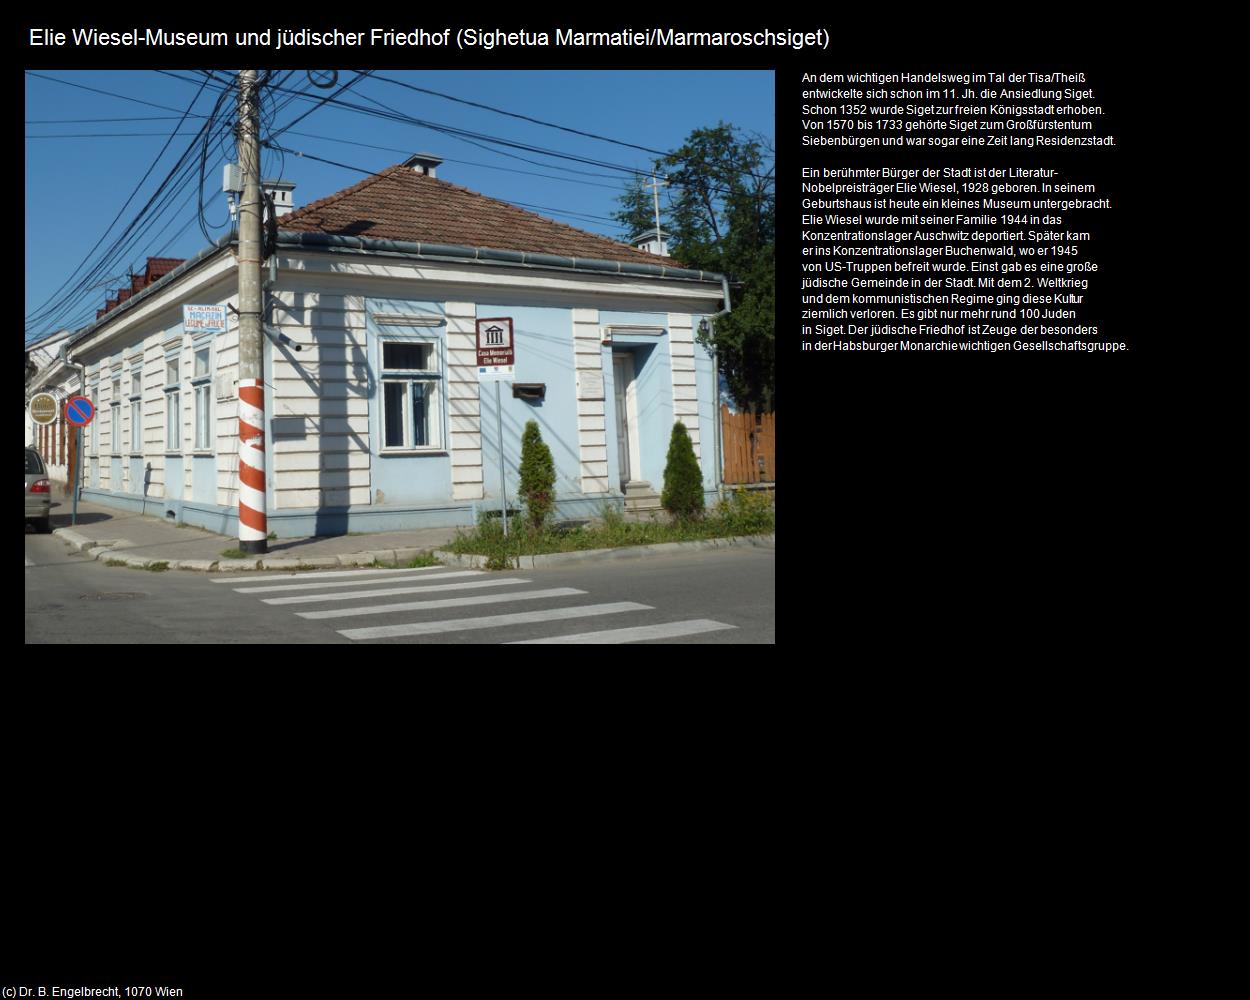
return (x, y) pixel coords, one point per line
(669, 630)
(360, 595)
(446, 602)
(493, 621)
(370, 582)
(367, 592)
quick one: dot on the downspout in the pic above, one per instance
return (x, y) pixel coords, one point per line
(720, 461)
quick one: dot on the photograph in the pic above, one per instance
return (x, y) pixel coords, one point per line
(346, 335)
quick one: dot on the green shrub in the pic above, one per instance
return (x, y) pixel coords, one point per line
(538, 477)
(683, 481)
(745, 512)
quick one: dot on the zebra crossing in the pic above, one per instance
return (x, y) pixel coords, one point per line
(431, 593)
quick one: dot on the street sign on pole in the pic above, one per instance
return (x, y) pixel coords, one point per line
(494, 342)
(496, 362)
(43, 408)
(79, 411)
(76, 482)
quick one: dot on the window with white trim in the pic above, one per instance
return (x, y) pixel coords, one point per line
(136, 411)
(412, 406)
(115, 416)
(173, 397)
(95, 424)
(201, 379)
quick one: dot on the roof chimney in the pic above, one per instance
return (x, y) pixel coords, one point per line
(424, 163)
(283, 203)
(652, 241)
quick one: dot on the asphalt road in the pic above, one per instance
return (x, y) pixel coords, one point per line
(724, 597)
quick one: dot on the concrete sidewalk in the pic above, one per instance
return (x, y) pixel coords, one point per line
(138, 540)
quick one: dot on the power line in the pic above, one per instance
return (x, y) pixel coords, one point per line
(146, 174)
(378, 173)
(109, 135)
(390, 114)
(513, 114)
(468, 163)
(106, 93)
(393, 115)
(537, 121)
(175, 182)
(323, 101)
(90, 121)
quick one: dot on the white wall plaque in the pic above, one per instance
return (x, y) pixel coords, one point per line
(589, 385)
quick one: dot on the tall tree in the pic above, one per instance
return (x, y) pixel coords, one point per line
(721, 214)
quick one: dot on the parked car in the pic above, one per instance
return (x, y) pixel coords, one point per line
(38, 493)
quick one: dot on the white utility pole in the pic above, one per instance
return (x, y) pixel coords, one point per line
(655, 188)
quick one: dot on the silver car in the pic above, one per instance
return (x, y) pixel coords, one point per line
(38, 493)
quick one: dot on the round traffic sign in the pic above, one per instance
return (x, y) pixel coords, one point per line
(79, 411)
(43, 408)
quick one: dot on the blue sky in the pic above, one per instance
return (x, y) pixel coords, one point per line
(75, 187)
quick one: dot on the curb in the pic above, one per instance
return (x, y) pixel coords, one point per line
(79, 542)
(625, 552)
(114, 550)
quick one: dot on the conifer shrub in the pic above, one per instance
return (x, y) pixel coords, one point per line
(538, 477)
(683, 481)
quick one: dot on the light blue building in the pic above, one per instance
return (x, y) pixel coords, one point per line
(375, 415)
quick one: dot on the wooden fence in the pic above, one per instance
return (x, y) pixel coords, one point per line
(750, 443)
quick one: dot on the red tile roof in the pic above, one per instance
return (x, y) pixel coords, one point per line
(402, 204)
(157, 268)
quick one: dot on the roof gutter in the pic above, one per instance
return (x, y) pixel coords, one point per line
(482, 255)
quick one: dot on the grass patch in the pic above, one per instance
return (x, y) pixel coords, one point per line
(422, 559)
(742, 513)
(234, 554)
(157, 567)
(115, 562)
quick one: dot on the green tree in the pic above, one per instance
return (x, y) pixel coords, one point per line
(538, 477)
(683, 481)
(721, 214)
(637, 212)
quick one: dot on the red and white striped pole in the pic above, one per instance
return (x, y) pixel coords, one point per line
(252, 522)
(253, 531)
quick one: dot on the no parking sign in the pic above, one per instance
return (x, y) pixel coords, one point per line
(79, 411)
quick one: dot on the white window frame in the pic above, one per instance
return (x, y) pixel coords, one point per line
(136, 411)
(173, 422)
(202, 386)
(95, 424)
(115, 417)
(432, 378)
(173, 406)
